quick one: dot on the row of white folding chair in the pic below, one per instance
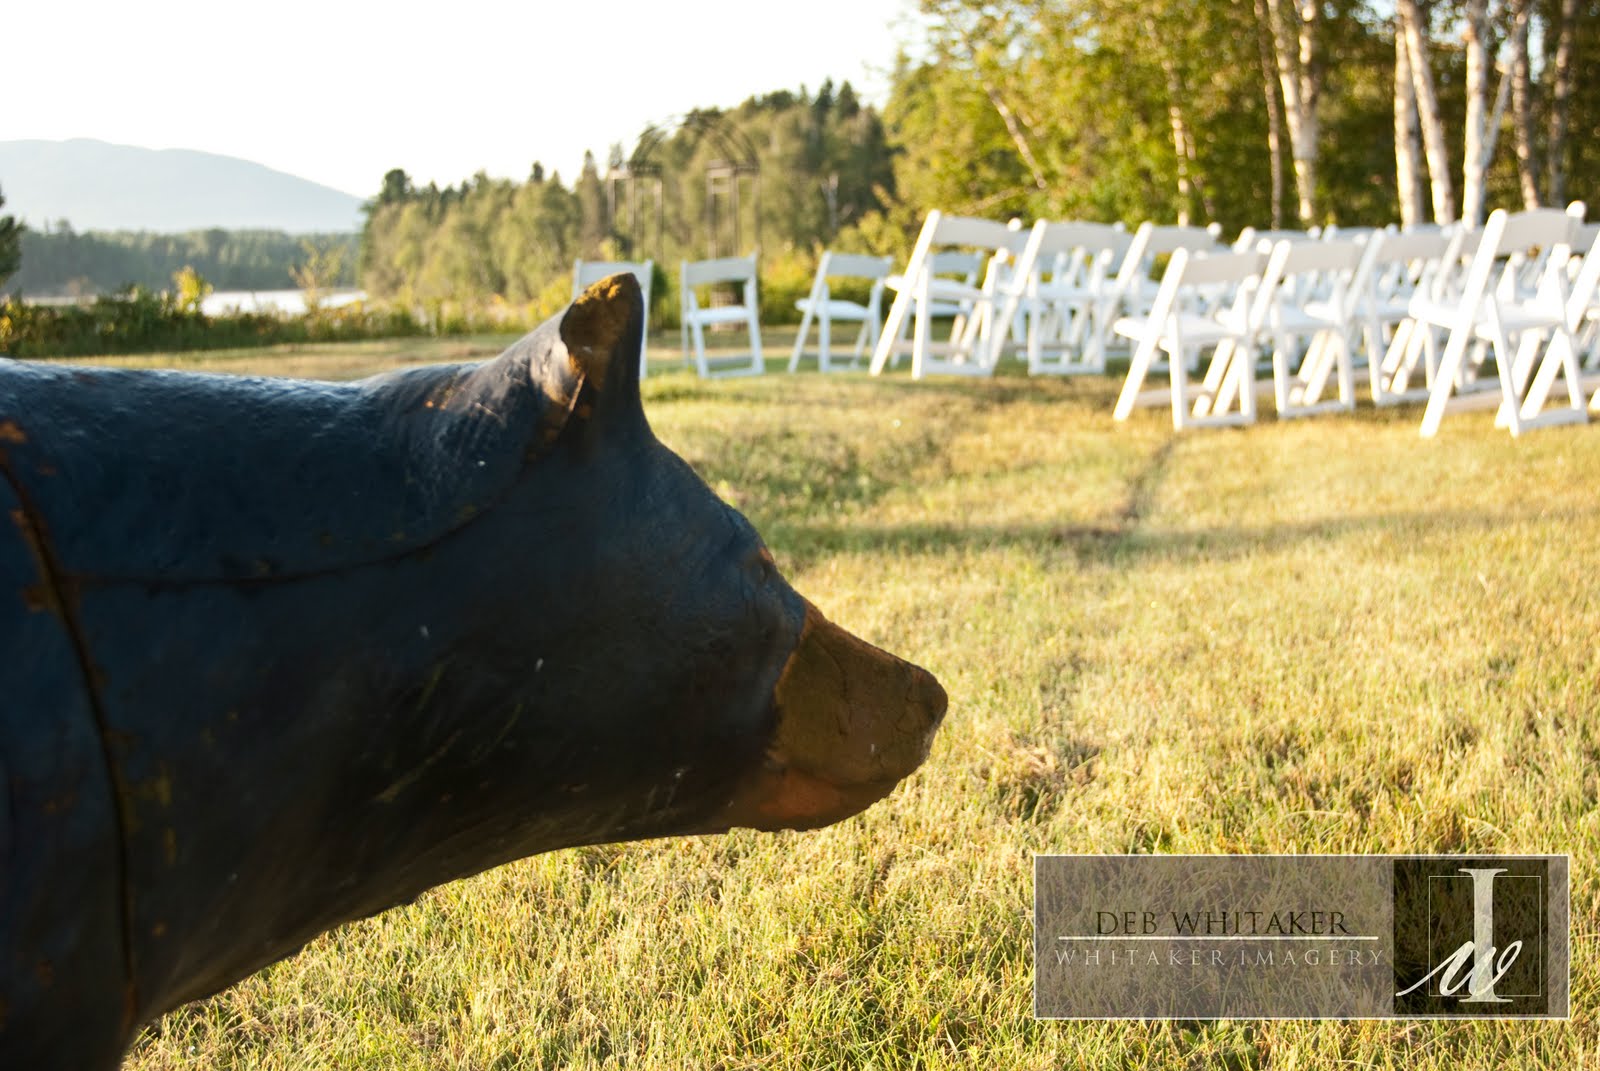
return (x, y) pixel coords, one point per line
(1180, 324)
(1531, 335)
(1059, 284)
(1396, 265)
(923, 292)
(1233, 303)
(586, 273)
(1052, 295)
(1096, 273)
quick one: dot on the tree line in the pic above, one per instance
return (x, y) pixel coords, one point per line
(1269, 113)
(1240, 112)
(784, 171)
(1258, 112)
(59, 261)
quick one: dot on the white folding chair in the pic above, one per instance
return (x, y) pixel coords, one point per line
(1061, 277)
(1396, 265)
(1528, 334)
(822, 306)
(1586, 240)
(922, 290)
(1263, 240)
(1175, 324)
(1132, 290)
(697, 317)
(1330, 324)
(585, 273)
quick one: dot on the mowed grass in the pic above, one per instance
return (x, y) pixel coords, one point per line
(1313, 636)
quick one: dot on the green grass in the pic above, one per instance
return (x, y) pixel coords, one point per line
(1313, 636)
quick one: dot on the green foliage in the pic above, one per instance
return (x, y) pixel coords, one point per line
(321, 270)
(10, 244)
(59, 261)
(190, 289)
(142, 321)
(493, 248)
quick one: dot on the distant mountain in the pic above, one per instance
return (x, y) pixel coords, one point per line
(102, 187)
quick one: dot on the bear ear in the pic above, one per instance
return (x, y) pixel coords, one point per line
(603, 332)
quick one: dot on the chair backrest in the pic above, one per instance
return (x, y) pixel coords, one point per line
(1152, 240)
(1168, 238)
(1188, 268)
(941, 232)
(1303, 269)
(860, 265)
(1251, 238)
(855, 266)
(722, 270)
(1586, 280)
(1543, 228)
(955, 262)
(970, 231)
(1333, 230)
(585, 273)
(1049, 241)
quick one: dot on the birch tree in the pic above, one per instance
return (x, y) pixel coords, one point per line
(1264, 42)
(1474, 153)
(1407, 142)
(1414, 28)
(1522, 110)
(1560, 102)
(1300, 76)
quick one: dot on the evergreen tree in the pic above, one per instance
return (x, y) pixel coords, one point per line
(10, 244)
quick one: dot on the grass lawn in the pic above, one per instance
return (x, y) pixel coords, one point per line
(1316, 636)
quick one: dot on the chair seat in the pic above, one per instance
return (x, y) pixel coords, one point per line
(833, 308)
(1320, 312)
(1513, 318)
(723, 314)
(1195, 330)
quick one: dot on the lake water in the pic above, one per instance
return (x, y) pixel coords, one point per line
(288, 302)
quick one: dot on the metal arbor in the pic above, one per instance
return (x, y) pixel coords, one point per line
(732, 177)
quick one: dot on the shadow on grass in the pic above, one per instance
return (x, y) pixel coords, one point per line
(1121, 544)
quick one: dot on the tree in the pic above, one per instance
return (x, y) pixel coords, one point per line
(1560, 101)
(1522, 108)
(318, 272)
(10, 244)
(1413, 25)
(191, 289)
(1294, 37)
(1407, 137)
(592, 205)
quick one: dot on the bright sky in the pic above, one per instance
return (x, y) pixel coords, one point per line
(343, 90)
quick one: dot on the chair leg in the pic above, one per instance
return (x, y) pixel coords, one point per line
(824, 322)
(800, 339)
(889, 333)
(919, 341)
(700, 350)
(1178, 378)
(757, 366)
(1444, 380)
(1138, 368)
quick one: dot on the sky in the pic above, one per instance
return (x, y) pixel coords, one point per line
(340, 92)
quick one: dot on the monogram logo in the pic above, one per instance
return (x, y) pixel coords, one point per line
(1469, 936)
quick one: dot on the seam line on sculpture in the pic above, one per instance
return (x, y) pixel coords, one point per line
(53, 576)
(109, 580)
